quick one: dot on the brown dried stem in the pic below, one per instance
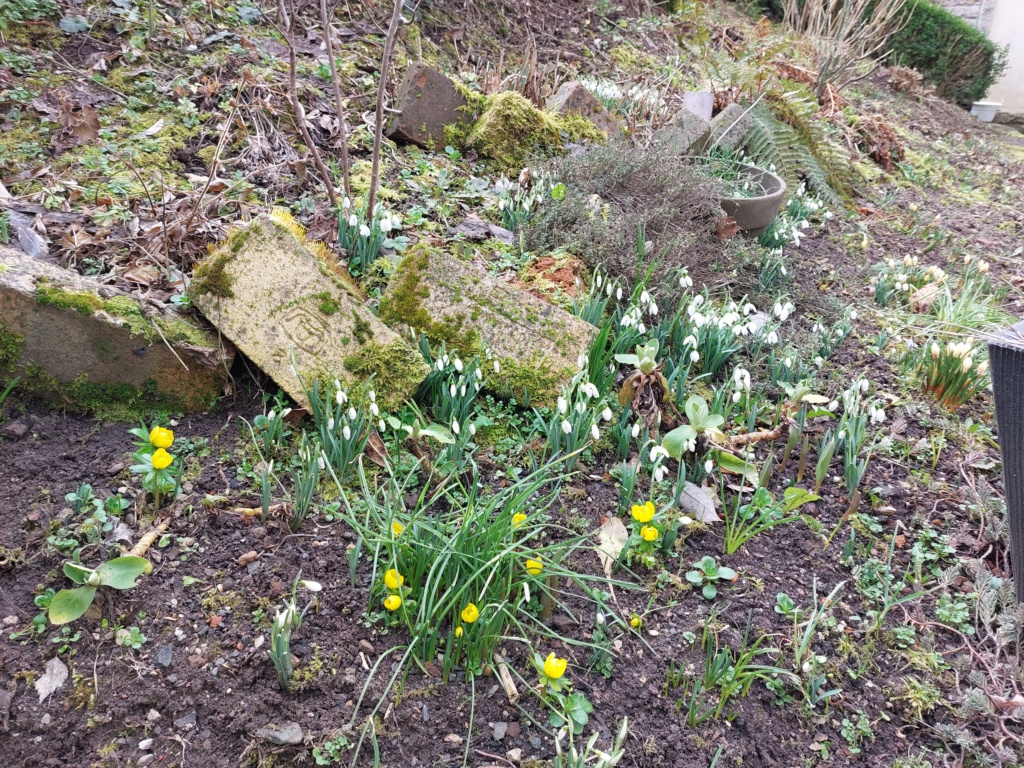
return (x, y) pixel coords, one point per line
(325, 22)
(382, 86)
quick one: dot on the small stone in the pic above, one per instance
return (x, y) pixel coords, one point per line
(500, 730)
(453, 738)
(46, 719)
(427, 102)
(282, 735)
(366, 646)
(145, 744)
(188, 721)
(425, 714)
(515, 755)
(152, 716)
(10, 621)
(16, 430)
(247, 558)
(163, 656)
(535, 742)
(514, 730)
(146, 759)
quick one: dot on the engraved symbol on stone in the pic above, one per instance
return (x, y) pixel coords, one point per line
(304, 329)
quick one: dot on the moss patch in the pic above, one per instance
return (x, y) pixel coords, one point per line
(327, 303)
(84, 302)
(511, 129)
(210, 278)
(540, 380)
(395, 367)
(10, 349)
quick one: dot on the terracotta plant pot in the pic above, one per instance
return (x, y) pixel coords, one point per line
(755, 214)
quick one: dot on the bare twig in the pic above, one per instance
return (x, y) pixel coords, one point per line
(382, 86)
(325, 22)
(143, 545)
(288, 22)
(505, 678)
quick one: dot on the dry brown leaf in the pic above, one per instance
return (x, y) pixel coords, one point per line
(612, 537)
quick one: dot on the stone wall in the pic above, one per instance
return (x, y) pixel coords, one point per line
(977, 13)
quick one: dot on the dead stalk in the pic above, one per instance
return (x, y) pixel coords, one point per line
(140, 549)
(505, 678)
(325, 21)
(288, 23)
(382, 86)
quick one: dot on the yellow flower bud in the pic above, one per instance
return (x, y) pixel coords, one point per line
(161, 459)
(518, 519)
(392, 602)
(636, 622)
(458, 631)
(648, 533)
(534, 567)
(393, 579)
(397, 528)
(161, 438)
(554, 667)
(470, 613)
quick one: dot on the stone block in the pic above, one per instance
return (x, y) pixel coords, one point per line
(700, 103)
(273, 298)
(730, 127)
(71, 339)
(574, 98)
(427, 102)
(536, 344)
(687, 134)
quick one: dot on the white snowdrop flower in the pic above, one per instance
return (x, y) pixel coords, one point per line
(351, 414)
(598, 281)
(749, 308)
(385, 225)
(451, 390)
(346, 432)
(772, 337)
(804, 224)
(853, 314)
(828, 215)
(618, 294)
(842, 435)
(653, 309)
(864, 385)
(381, 426)
(591, 389)
(346, 203)
(497, 367)
(783, 270)
(580, 407)
(709, 466)
(741, 377)
(595, 432)
(476, 386)
(788, 362)
(270, 416)
(694, 356)
(698, 300)
(657, 452)
(372, 395)
(659, 473)
(736, 396)
(690, 341)
(458, 365)
(440, 365)
(320, 462)
(877, 415)
(562, 405)
(462, 391)
(642, 328)
(374, 410)
(581, 362)
(330, 424)
(285, 412)
(446, 359)
(606, 414)
(739, 330)
(636, 430)
(501, 205)
(818, 361)
(353, 220)
(644, 297)
(455, 426)
(698, 320)
(472, 429)
(608, 290)
(566, 426)
(833, 405)
(364, 231)
(479, 374)
(751, 327)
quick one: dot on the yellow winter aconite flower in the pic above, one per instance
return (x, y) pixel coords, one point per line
(470, 614)
(518, 519)
(643, 514)
(458, 631)
(554, 667)
(636, 622)
(397, 528)
(648, 533)
(534, 567)
(161, 438)
(393, 579)
(161, 459)
(392, 602)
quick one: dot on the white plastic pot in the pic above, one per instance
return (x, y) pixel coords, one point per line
(986, 111)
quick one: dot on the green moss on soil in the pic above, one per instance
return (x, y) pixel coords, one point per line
(10, 350)
(537, 378)
(511, 129)
(395, 367)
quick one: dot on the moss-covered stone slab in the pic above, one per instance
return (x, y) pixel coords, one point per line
(573, 98)
(427, 103)
(273, 298)
(730, 127)
(69, 339)
(687, 134)
(536, 344)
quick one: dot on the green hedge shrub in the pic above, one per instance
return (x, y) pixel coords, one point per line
(960, 60)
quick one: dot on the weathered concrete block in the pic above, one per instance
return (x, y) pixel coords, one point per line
(427, 102)
(272, 297)
(687, 134)
(700, 103)
(536, 344)
(574, 98)
(67, 337)
(731, 126)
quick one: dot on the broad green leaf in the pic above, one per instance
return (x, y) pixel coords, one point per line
(676, 440)
(77, 573)
(69, 604)
(694, 577)
(709, 591)
(736, 466)
(439, 433)
(697, 410)
(795, 497)
(121, 572)
(628, 360)
(726, 573)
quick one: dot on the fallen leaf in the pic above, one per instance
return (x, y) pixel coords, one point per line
(726, 228)
(215, 621)
(612, 537)
(901, 541)
(1000, 703)
(83, 125)
(53, 679)
(376, 449)
(698, 504)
